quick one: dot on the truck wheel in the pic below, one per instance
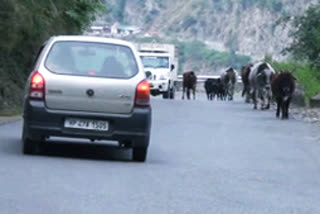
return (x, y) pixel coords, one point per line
(165, 95)
(139, 154)
(172, 93)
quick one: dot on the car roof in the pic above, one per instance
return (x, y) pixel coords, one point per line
(81, 38)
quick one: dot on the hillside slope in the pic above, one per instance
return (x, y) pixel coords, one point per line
(252, 27)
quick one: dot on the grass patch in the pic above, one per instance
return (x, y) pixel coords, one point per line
(307, 76)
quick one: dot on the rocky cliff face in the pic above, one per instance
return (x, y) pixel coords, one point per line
(252, 27)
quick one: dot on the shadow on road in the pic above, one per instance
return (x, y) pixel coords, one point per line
(75, 149)
(86, 151)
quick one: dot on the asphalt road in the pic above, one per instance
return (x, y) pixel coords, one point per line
(205, 157)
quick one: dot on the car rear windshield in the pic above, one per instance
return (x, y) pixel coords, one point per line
(91, 59)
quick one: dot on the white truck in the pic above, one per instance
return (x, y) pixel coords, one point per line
(161, 67)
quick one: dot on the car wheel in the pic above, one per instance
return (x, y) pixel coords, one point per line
(140, 154)
(30, 147)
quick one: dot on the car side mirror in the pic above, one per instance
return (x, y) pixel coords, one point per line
(172, 67)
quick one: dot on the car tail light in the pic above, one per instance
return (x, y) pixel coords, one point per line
(37, 84)
(143, 94)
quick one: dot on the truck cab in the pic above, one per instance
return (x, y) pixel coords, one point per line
(160, 67)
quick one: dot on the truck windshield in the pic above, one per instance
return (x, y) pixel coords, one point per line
(155, 61)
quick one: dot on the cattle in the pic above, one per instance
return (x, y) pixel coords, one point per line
(245, 72)
(260, 79)
(209, 87)
(214, 88)
(283, 86)
(221, 92)
(189, 83)
(228, 79)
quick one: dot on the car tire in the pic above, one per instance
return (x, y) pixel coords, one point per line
(139, 154)
(30, 147)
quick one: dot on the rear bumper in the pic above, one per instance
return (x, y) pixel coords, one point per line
(41, 122)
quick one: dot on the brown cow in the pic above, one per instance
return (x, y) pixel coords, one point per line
(189, 83)
(245, 72)
(283, 86)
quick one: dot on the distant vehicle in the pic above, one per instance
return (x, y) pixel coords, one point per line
(160, 65)
(87, 87)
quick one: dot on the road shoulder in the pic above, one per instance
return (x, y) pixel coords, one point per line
(9, 119)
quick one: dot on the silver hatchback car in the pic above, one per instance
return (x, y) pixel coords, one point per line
(87, 87)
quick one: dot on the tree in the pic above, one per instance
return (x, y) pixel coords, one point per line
(306, 36)
(24, 26)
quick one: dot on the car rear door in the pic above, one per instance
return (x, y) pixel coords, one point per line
(90, 94)
(82, 85)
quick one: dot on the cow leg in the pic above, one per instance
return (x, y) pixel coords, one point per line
(254, 97)
(287, 104)
(247, 95)
(232, 91)
(247, 98)
(268, 100)
(226, 95)
(261, 99)
(283, 109)
(243, 91)
(278, 107)
(188, 93)
(194, 93)
(268, 104)
(262, 103)
(183, 92)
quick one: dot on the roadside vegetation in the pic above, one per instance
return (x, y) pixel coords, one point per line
(304, 52)
(24, 26)
(307, 75)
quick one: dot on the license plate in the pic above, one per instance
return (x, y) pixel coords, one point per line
(96, 125)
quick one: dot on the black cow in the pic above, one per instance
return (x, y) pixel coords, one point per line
(208, 86)
(213, 88)
(245, 72)
(189, 83)
(283, 86)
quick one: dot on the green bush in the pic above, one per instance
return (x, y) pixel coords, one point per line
(24, 26)
(307, 75)
(306, 36)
